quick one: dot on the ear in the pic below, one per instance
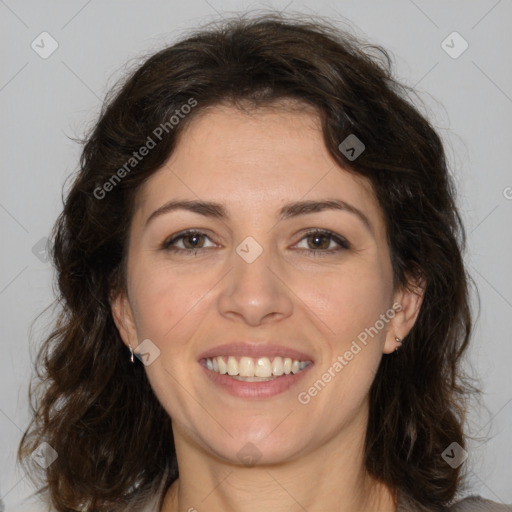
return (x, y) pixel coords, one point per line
(124, 319)
(406, 303)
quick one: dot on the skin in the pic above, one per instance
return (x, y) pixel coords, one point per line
(294, 294)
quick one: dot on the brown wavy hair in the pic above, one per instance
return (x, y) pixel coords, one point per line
(98, 411)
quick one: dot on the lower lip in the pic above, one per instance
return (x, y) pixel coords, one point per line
(265, 389)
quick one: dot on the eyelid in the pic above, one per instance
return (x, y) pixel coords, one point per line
(166, 245)
(343, 243)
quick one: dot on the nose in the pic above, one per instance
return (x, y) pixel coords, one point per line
(255, 292)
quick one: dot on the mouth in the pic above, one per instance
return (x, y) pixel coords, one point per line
(250, 369)
(254, 370)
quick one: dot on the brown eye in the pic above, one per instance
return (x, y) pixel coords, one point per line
(318, 241)
(193, 241)
(187, 241)
(321, 241)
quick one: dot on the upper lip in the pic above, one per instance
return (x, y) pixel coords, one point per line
(255, 350)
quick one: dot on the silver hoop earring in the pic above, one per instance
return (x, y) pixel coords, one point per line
(131, 353)
(399, 341)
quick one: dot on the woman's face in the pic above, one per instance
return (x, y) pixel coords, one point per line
(288, 259)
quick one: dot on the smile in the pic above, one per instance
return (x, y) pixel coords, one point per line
(252, 369)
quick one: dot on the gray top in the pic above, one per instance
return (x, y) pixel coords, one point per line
(477, 504)
(470, 504)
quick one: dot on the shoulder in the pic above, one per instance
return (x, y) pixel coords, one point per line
(38, 505)
(478, 504)
(469, 504)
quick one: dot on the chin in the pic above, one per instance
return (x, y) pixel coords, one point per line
(258, 444)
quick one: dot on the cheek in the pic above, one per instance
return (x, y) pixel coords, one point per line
(349, 300)
(350, 306)
(164, 301)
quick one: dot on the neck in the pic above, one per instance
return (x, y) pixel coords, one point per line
(331, 477)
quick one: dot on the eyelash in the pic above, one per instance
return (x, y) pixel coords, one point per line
(342, 243)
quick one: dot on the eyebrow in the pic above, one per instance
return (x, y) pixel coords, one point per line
(290, 210)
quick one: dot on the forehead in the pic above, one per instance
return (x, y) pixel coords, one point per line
(255, 159)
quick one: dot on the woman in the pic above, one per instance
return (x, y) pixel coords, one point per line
(264, 302)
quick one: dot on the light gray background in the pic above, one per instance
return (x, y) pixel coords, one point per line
(43, 101)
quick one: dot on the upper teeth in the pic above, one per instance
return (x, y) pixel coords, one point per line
(260, 367)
